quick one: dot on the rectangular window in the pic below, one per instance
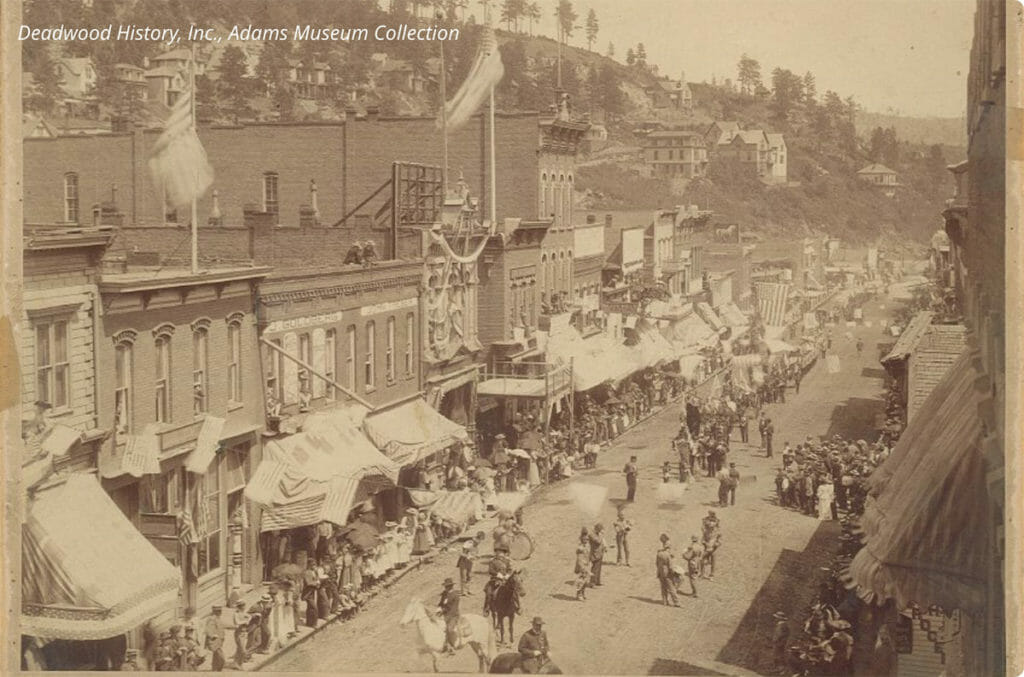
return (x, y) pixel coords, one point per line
(275, 382)
(123, 388)
(200, 353)
(410, 342)
(235, 362)
(350, 357)
(305, 349)
(389, 354)
(331, 361)
(368, 365)
(162, 494)
(209, 497)
(162, 402)
(71, 198)
(53, 384)
(270, 204)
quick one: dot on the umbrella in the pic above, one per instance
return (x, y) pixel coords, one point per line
(361, 535)
(518, 453)
(482, 462)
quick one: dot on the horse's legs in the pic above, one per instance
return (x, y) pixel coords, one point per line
(511, 628)
(433, 658)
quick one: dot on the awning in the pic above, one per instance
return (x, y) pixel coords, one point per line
(313, 476)
(911, 336)
(732, 315)
(688, 365)
(511, 387)
(595, 360)
(461, 507)
(412, 431)
(710, 316)
(778, 346)
(690, 333)
(926, 525)
(87, 573)
(652, 347)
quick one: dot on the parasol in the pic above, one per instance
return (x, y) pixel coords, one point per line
(518, 453)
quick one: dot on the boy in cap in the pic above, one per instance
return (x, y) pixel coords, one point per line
(449, 608)
(465, 565)
(692, 556)
(241, 623)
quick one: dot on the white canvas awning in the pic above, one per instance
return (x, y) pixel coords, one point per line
(412, 431)
(87, 572)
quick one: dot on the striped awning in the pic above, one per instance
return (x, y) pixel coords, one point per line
(87, 572)
(927, 524)
(314, 476)
(412, 431)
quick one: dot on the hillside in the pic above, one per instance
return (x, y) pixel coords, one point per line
(829, 137)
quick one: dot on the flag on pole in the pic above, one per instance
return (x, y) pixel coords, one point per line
(486, 73)
(178, 162)
(771, 300)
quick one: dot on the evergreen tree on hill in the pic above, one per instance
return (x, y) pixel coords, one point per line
(592, 28)
(748, 74)
(566, 17)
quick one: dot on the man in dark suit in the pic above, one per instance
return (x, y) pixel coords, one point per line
(630, 470)
(597, 550)
(533, 647)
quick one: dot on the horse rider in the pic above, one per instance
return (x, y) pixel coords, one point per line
(500, 568)
(448, 607)
(534, 647)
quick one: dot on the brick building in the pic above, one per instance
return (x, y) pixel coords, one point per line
(588, 261)
(675, 153)
(177, 365)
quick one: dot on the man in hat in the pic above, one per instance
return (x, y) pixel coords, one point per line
(622, 527)
(215, 639)
(191, 660)
(354, 255)
(780, 639)
(264, 607)
(465, 565)
(597, 550)
(664, 572)
(534, 647)
(448, 607)
(769, 432)
(499, 569)
(692, 555)
(734, 481)
(630, 471)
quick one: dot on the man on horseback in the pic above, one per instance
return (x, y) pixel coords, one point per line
(500, 569)
(449, 608)
(533, 647)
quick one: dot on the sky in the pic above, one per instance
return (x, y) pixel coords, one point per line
(910, 56)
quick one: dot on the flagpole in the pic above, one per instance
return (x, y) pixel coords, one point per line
(444, 126)
(494, 183)
(195, 207)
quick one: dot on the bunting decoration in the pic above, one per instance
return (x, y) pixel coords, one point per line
(178, 162)
(486, 73)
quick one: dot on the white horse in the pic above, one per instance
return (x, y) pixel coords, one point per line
(432, 634)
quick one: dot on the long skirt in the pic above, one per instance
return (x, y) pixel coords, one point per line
(826, 494)
(533, 475)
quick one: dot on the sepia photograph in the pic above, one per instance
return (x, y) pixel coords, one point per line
(664, 337)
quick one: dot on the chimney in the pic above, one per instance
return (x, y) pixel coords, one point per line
(607, 220)
(254, 218)
(307, 217)
(372, 113)
(312, 199)
(145, 62)
(215, 215)
(591, 219)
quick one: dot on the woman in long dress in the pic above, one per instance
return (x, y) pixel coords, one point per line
(532, 474)
(424, 538)
(826, 495)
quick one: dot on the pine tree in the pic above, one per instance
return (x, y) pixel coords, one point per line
(630, 57)
(592, 27)
(641, 55)
(810, 89)
(610, 52)
(566, 17)
(748, 74)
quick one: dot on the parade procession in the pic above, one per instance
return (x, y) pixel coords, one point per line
(494, 352)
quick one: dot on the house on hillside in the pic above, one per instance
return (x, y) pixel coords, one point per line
(748, 147)
(403, 76)
(777, 159)
(675, 153)
(879, 175)
(719, 132)
(36, 127)
(164, 84)
(77, 76)
(308, 79)
(672, 94)
(132, 78)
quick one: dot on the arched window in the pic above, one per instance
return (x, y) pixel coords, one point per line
(162, 384)
(270, 195)
(568, 202)
(235, 359)
(542, 194)
(71, 197)
(369, 366)
(541, 273)
(124, 347)
(560, 202)
(200, 368)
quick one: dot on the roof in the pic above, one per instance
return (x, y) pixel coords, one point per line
(162, 278)
(176, 55)
(38, 127)
(755, 136)
(776, 140)
(674, 133)
(938, 349)
(162, 72)
(726, 125)
(877, 169)
(911, 336)
(412, 431)
(129, 66)
(76, 65)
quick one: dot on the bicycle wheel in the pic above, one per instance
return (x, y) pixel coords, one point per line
(522, 546)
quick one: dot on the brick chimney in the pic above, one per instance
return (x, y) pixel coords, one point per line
(259, 221)
(215, 218)
(591, 219)
(307, 217)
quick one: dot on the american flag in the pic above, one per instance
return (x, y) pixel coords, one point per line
(178, 162)
(485, 74)
(186, 529)
(771, 302)
(202, 508)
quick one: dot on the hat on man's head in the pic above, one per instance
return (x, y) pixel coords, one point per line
(537, 620)
(449, 583)
(664, 538)
(266, 598)
(499, 436)
(694, 539)
(780, 616)
(468, 545)
(239, 604)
